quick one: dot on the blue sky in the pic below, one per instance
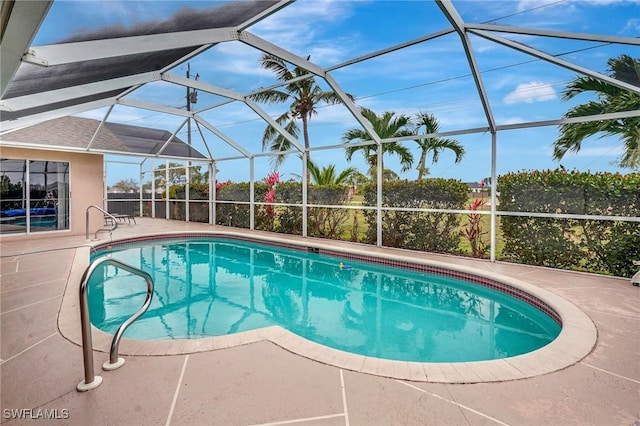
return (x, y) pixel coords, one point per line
(428, 77)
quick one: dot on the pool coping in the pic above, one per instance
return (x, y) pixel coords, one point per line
(576, 340)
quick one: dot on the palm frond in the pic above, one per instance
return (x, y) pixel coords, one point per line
(270, 97)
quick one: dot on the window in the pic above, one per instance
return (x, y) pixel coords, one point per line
(34, 196)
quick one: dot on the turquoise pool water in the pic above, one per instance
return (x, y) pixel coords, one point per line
(215, 287)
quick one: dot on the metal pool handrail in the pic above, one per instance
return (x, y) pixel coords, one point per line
(91, 381)
(104, 212)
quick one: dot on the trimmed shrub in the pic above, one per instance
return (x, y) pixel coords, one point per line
(425, 231)
(580, 244)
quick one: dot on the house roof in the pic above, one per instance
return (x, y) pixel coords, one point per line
(75, 133)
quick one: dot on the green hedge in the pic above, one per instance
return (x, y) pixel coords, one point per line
(435, 232)
(322, 222)
(580, 244)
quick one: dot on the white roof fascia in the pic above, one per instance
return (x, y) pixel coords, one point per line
(549, 58)
(23, 24)
(556, 34)
(153, 107)
(222, 136)
(74, 92)
(92, 151)
(30, 120)
(9, 143)
(173, 135)
(64, 53)
(456, 20)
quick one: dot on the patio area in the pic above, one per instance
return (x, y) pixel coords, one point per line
(260, 383)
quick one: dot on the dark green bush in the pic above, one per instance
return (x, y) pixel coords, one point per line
(426, 231)
(233, 214)
(289, 219)
(327, 222)
(582, 244)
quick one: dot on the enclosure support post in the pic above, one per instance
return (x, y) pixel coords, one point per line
(140, 192)
(167, 215)
(379, 180)
(187, 190)
(153, 188)
(494, 186)
(252, 195)
(212, 193)
(305, 191)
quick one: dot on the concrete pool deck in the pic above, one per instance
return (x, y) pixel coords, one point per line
(257, 381)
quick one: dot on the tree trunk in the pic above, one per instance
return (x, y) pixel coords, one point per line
(305, 134)
(421, 168)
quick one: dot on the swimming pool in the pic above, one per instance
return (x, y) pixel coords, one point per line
(214, 287)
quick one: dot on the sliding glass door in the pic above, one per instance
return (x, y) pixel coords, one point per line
(34, 196)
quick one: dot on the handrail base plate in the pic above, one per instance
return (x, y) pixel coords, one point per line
(83, 386)
(107, 366)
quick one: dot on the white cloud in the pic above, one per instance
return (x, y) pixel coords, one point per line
(633, 24)
(531, 92)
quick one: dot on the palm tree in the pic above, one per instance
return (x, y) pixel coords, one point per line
(388, 125)
(610, 99)
(328, 176)
(305, 95)
(434, 145)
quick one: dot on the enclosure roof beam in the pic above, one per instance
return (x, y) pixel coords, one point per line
(265, 46)
(202, 86)
(458, 24)
(21, 20)
(134, 103)
(76, 92)
(29, 120)
(173, 135)
(222, 136)
(64, 53)
(390, 49)
(95, 134)
(634, 41)
(549, 58)
(230, 94)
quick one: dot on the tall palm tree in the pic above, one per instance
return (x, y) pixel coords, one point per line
(609, 99)
(433, 145)
(387, 125)
(305, 95)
